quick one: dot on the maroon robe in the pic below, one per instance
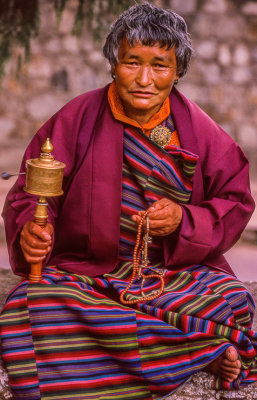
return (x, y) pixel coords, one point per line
(86, 219)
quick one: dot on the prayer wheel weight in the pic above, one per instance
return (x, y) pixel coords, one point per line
(44, 176)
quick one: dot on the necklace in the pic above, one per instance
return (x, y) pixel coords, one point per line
(141, 249)
(161, 135)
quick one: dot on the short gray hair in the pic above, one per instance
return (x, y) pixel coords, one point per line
(149, 24)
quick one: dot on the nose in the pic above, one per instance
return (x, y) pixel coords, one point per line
(144, 76)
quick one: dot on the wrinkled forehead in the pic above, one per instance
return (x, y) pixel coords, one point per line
(138, 49)
(147, 39)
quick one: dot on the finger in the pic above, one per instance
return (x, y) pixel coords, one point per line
(136, 218)
(33, 241)
(49, 229)
(37, 252)
(33, 260)
(232, 364)
(159, 204)
(34, 256)
(158, 214)
(235, 371)
(170, 210)
(163, 227)
(160, 232)
(36, 235)
(40, 232)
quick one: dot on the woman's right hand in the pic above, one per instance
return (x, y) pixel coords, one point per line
(36, 241)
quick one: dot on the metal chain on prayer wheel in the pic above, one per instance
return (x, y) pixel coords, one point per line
(44, 176)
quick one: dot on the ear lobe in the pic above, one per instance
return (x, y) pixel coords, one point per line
(176, 80)
(113, 72)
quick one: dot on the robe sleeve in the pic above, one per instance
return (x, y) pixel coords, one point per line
(212, 226)
(20, 206)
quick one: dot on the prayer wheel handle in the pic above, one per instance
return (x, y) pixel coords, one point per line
(44, 176)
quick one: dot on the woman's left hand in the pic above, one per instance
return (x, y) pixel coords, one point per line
(164, 217)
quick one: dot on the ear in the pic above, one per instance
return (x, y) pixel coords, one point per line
(113, 72)
(176, 79)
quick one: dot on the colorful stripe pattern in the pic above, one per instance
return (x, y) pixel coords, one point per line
(150, 173)
(69, 337)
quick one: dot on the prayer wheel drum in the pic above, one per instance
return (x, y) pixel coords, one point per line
(44, 175)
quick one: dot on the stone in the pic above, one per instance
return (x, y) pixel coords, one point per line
(224, 55)
(35, 46)
(250, 8)
(206, 49)
(241, 55)
(252, 30)
(6, 128)
(59, 80)
(83, 78)
(39, 67)
(252, 96)
(254, 54)
(211, 73)
(247, 135)
(215, 6)
(96, 57)
(194, 92)
(53, 45)
(241, 75)
(223, 28)
(67, 21)
(226, 27)
(184, 7)
(71, 44)
(42, 107)
(48, 23)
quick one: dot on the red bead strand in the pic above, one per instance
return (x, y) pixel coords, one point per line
(135, 272)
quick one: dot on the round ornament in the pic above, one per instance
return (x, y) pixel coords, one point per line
(161, 135)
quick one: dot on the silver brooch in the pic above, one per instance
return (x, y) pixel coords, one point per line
(161, 135)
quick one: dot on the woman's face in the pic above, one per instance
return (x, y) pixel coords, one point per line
(144, 78)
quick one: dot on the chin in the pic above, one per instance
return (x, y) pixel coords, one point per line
(143, 105)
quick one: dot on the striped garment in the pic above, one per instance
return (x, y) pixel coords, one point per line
(69, 337)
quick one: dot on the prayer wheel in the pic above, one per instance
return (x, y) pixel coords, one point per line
(44, 176)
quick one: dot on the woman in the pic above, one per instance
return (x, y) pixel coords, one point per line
(93, 329)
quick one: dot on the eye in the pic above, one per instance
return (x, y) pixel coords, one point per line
(160, 66)
(132, 63)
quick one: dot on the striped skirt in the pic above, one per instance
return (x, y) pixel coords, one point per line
(70, 337)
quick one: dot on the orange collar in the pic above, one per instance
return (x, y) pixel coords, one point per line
(119, 113)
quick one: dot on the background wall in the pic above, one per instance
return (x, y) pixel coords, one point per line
(222, 77)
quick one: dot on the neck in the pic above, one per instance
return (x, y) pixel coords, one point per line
(140, 116)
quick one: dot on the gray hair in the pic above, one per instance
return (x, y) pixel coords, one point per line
(149, 24)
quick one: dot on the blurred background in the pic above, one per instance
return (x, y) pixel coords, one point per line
(65, 60)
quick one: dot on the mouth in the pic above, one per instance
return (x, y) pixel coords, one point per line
(142, 94)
